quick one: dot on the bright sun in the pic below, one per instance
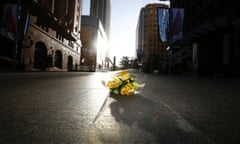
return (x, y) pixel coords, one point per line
(125, 47)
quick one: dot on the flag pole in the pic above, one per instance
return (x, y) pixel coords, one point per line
(18, 18)
(15, 51)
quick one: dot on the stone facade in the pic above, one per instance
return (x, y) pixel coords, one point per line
(45, 35)
(69, 50)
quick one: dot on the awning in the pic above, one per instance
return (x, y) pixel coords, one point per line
(48, 19)
(8, 60)
(213, 25)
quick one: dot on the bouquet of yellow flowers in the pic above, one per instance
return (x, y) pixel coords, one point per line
(123, 83)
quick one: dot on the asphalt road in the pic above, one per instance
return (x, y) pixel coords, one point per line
(173, 110)
(62, 107)
(50, 107)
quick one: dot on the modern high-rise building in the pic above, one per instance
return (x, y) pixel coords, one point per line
(94, 51)
(150, 49)
(102, 10)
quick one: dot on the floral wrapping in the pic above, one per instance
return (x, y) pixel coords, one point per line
(123, 83)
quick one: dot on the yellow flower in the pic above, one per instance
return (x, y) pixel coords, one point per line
(123, 83)
(123, 72)
(131, 92)
(123, 75)
(124, 91)
(127, 89)
(114, 82)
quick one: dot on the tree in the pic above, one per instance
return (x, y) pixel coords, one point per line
(125, 62)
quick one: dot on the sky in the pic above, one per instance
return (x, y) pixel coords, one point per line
(124, 18)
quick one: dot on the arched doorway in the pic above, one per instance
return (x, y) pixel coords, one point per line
(40, 56)
(58, 59)
(70, 63)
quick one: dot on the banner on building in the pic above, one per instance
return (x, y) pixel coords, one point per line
(9, 21)
(14, 22)
(177, 23)
(163, 23)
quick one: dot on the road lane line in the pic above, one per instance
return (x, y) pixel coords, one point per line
(183, 123)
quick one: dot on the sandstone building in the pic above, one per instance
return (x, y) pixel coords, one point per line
(52, 38)
(150, 49)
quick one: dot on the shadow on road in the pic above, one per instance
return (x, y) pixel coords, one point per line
(152, 117)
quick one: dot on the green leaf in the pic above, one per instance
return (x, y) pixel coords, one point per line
(116, 91)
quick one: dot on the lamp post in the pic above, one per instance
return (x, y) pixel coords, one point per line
(16, 34)
(170, 37)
